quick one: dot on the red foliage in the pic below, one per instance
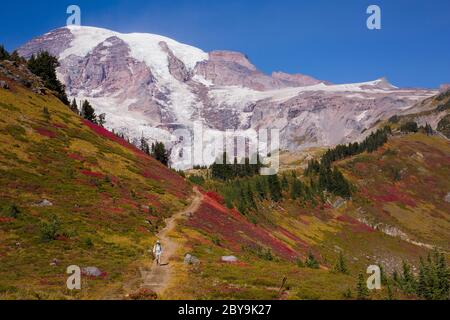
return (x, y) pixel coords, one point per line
(215, 196)
(108, 134)
(150, 175)
(59, 125)
(150, 168)
(360, 167)
(356, 225)
(92, 174)
(304, 221)
(234, 229)
(76, 156)
(6, 219)
(394, 195)
(142, 229)
(46, 133)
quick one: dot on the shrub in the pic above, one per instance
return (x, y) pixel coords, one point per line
(311, 261)
(340, 266)
(50, 230)
(410, 126)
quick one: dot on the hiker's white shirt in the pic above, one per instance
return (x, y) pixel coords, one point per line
(157, 249)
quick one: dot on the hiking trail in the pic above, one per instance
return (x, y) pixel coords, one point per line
(158, 277)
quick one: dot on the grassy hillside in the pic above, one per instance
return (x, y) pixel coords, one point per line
(397, 213)
(106, 199)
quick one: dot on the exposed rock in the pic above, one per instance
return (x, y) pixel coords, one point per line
(44, 203)
(169, 86)
(92, 272)
(296, 80)
(55, 262)
(190, 259)
(229, 259)
(176, 66)
(447, 197)
(339, 203)
(4, 85)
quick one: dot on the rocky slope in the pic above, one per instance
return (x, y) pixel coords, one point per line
(150, 85)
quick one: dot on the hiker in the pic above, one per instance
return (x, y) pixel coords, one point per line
(157, 251)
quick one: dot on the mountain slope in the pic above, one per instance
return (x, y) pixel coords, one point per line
(398, 212)
(151, 85)
(72, 194)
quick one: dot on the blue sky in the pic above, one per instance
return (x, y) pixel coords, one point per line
(323, 38)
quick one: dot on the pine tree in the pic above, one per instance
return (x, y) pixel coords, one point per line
(296, 189)
(260, 190)
(274, 187)
(144, 145)
(442, 289)
(362, 293)
(160, 153)
(428, 130)
(407, 280)
(88, 112)
(44, 66)
(4, 55)
(340, 266)
(390, 293)
(74, 106)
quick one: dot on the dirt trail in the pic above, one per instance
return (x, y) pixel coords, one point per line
(158, 277)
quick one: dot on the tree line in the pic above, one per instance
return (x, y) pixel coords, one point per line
(157, 150)
(238, 169)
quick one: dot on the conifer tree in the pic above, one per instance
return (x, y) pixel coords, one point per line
(362, 292)
(4, 55)
(274, 187)
(74, 106)
(44, 66)
(340, 266)
(88, 112)
(160, 153)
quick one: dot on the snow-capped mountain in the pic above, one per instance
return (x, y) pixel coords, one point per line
(151, 85)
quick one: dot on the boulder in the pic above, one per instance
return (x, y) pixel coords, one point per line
(339, 203)
(4, 85)
(229, 259)
(447, 197)
(190, 259)
(92, 272)
(44, 203)
(54, 263)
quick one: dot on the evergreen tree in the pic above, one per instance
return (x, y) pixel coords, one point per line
(340, 266)
(260, 189)
(296, 189)
(4, 55)
(441, 289)
(44, 66)
(410, 126)
(362, 293)
(74, 106)
(88, 112)
(274, 187)
(144, 145)
(160, 153)
(407, 280)
(428, 130)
